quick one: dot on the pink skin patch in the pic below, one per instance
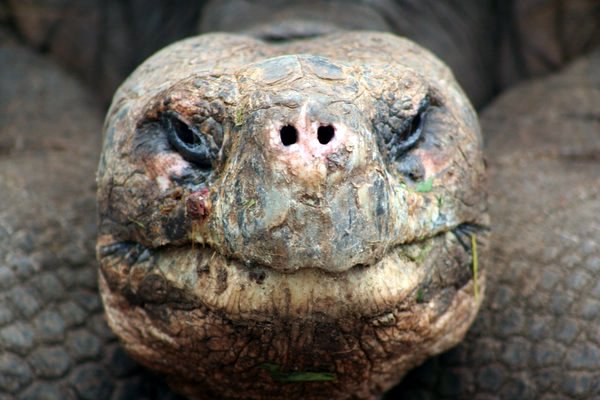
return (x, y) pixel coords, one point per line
(162, 167)
(432, 163)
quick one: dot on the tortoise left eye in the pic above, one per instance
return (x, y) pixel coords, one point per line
(194, 146)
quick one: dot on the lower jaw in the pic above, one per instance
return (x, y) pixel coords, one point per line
(247, 333)
(205, 354)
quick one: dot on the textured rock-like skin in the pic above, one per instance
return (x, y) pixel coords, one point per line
(538, 333)
(284, 278)
(54, 340)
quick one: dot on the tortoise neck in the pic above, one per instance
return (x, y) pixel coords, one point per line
(283, 20)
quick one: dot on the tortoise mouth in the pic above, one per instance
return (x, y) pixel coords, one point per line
(193, 276)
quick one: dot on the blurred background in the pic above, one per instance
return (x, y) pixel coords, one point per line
(501, 42)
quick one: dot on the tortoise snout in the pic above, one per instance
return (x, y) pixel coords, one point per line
(304, 150)
(315, 149)
(304, 174)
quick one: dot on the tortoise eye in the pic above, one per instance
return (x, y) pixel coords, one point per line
(194, 146)
(407, 134)
(412, 133)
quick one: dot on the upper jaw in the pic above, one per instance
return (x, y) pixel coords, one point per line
(201, 276)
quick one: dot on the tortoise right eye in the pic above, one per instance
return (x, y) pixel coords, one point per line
(194, 146)
(407, 135)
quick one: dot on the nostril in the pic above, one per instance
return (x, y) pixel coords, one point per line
(289, 135)
(325, 134)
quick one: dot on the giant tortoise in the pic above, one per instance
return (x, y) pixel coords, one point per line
(301, 215)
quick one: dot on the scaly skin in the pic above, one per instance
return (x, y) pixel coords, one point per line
(341, 257)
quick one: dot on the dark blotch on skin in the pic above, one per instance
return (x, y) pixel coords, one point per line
(175, 227)
(155, 292)
(202, 264)
(153, 289)
(257, 276)
(380, 194)
(412, 168)
(221, 280)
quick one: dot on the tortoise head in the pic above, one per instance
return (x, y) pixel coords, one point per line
(302, 212)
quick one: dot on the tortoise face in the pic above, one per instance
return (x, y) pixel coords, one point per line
(244, 187)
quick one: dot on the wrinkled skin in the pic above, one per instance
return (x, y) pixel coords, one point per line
(215, 270)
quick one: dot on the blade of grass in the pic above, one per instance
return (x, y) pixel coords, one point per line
(425, 186)
(475, 266)
(282, 376)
